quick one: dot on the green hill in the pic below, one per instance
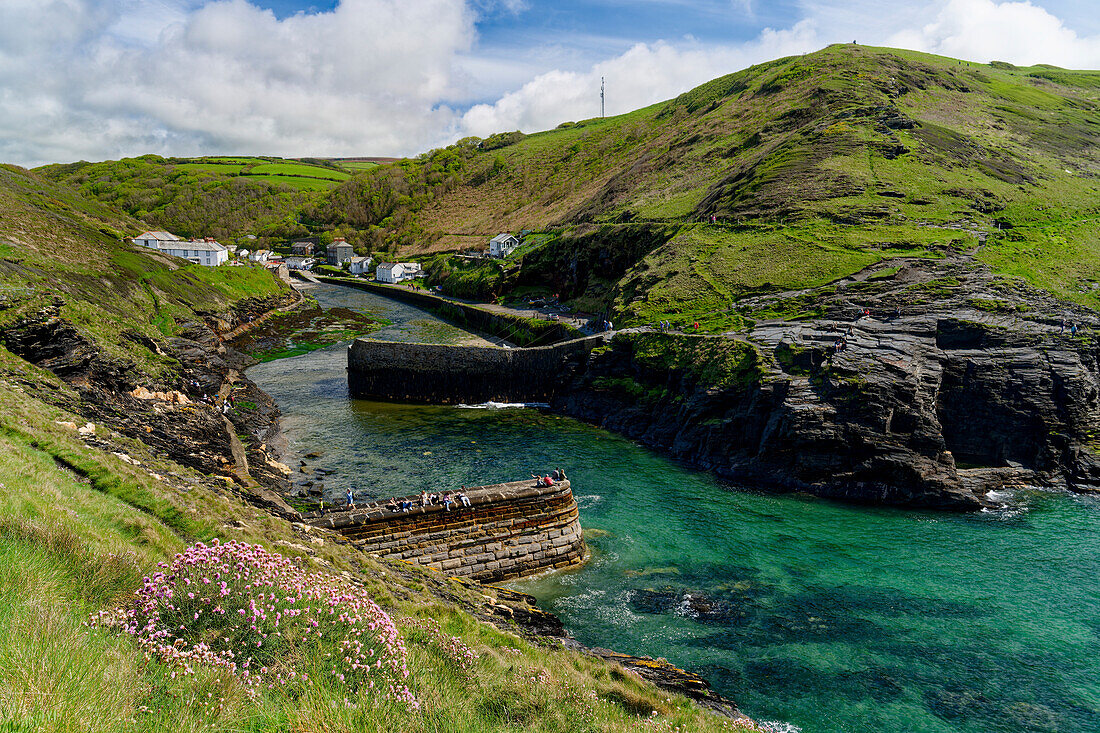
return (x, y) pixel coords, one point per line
(222, 197)
(87, 512)
(60, 248)
(812, 167)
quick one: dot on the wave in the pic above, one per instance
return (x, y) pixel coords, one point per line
(1007, 504)
(778, 726)
(502, 405)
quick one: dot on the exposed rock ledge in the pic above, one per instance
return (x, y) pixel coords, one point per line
(958, 382)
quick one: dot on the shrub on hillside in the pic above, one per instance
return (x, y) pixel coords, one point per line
(255, 614)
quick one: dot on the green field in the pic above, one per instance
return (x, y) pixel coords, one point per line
(229, 169)
(298, 169)
(298, 182)
(356, 165)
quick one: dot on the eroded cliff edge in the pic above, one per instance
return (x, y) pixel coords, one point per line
(916, 382)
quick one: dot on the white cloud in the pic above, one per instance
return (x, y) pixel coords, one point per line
(645, 74)
(106, 78)
(228, 76)
(1018, 32)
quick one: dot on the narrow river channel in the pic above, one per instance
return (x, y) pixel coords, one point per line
(830, 617)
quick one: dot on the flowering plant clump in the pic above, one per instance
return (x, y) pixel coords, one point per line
(451, 647)
(255, 614)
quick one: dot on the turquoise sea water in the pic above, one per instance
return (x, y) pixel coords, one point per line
(827, 616)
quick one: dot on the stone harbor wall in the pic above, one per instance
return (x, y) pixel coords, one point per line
(442, 374)
(514, 328)
(510, 530)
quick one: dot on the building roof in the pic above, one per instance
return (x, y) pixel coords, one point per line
(160, 236)
(387, 265)
(501, 238)
(339, 243)
(359, 259)
(196, 246)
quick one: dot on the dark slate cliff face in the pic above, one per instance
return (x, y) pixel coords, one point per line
(957, 383)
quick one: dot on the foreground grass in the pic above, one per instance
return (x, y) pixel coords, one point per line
(80, 527)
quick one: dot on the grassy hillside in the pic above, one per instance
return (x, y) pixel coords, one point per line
(222, 197)
(57, 246)
(80, 526)
(784, 175)
(812, 167)
(87, 515)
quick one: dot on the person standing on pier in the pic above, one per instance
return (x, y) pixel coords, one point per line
(350, 496)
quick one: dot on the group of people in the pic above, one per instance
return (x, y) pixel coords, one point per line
(549, 479)
(1072, 327)
(448, 499)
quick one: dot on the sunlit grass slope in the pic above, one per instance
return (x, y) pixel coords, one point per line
(804, 168)
(80, 528)
(57, 246)
(812, 168)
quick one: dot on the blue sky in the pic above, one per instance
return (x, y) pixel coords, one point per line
(613, 25)
(100, 79)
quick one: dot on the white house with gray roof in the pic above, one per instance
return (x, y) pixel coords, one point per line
(205, 252)
(502, 245)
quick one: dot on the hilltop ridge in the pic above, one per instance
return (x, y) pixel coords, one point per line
(811, 166)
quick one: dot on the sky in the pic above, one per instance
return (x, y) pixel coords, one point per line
(104, 79)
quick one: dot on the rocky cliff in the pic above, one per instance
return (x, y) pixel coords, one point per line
(200, 411)
(915, 382)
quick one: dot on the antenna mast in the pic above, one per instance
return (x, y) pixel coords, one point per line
(601, 97)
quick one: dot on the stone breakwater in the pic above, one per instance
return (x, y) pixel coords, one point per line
(442, 374)
(508, 531)
(515, 328)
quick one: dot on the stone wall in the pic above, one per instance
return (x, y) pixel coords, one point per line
(514, 328)
(510, 530)
(442, 374)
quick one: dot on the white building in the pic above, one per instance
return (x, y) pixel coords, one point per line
(300, 263)
(205, 252)
(360, 265)
(395, 272)
(261, 255)
(154, 240)
(502, 245)
(389, 272)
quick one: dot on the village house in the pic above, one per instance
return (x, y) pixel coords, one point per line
(502, 245)
(261, 255)
(300, 263)
(360, 265)
(301, 249)
(154, 240)
(339, 252)
(390, 272)
(396, 272)
(205, 252)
